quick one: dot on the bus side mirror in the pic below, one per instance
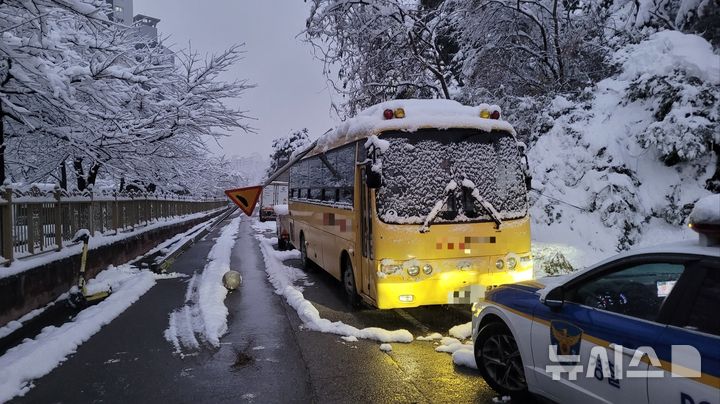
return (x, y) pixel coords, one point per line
(373, 180)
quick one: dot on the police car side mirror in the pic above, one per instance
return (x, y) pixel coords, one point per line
(555, 298)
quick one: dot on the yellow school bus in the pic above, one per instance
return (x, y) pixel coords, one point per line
(414, 202)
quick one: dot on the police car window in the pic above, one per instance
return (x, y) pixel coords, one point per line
(637, 291)
(703, 315)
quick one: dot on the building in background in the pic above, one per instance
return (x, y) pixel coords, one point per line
(122, 11)
(146, 26)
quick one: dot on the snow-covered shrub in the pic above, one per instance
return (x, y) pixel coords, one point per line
(630, 156)
(686, 113)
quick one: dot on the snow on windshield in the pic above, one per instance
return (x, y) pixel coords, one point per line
(417, 169)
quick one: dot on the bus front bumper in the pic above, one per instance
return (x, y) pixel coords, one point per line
(449, 287)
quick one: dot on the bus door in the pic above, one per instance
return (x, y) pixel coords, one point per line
(367, 276)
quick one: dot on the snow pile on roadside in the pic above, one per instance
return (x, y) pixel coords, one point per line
(269, 226)
(204, 313)
(386, 347)
(35, 358)
(15, 325)
(462, 354)
(461, 331)
(283, 278)
(632, 154)
(432, 337)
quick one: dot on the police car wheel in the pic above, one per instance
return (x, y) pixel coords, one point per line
(498, 358)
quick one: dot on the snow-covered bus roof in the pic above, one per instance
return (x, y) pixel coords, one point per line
(419, 114)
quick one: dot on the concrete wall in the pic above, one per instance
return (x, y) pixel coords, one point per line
(36, 287)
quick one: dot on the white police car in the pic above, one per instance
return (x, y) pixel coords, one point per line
(641, 327)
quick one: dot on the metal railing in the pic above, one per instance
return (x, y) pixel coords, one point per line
(35, 221)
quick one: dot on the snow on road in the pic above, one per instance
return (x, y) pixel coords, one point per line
(264, 226)
(283, 279)
(204, 315)
(462, 353)
(37, 357)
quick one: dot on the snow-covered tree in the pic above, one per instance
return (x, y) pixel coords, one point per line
(283, 148)
(382, 49)
(78, 89)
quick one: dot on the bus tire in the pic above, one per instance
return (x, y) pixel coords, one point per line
(348, 280)
(306, 263)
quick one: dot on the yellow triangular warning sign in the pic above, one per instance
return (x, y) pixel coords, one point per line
(245, 198)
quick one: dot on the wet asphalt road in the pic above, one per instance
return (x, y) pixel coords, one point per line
(266, 356)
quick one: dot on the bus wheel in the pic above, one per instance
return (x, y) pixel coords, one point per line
(349, 283)
(303, 253)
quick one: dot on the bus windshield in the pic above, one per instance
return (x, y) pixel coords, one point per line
(419, 169)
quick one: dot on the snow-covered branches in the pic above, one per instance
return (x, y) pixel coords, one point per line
(77, 87)
(284, 147)
(384, 49)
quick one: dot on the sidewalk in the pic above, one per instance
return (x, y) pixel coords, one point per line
(130, 360)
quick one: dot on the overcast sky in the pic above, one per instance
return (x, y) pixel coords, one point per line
(291, 91)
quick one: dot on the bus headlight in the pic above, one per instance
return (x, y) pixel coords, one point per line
(499, 264)
(511, 263)
(427, 269)
(413, 270)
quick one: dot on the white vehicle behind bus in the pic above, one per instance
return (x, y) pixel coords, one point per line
(275, 193)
